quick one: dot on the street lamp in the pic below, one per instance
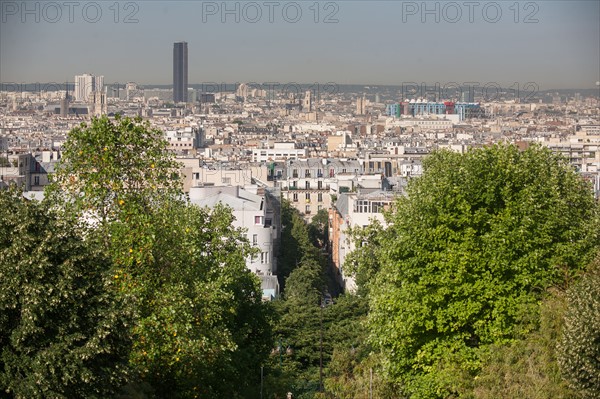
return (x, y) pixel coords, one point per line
(325, 300)
(279, 350)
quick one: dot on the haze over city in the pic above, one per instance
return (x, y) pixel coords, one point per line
(554, 43)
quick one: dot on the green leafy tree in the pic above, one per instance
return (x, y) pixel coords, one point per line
(113, 170)
(526, 367)
(364, 262)
(203, 331)
(300, 317)
(579, 349)
(200, 328)
(318, 229)
(472, 247)
(296, 245)
(63, 333)
(352, 360)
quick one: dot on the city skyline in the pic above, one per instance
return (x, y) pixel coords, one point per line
(343, 42)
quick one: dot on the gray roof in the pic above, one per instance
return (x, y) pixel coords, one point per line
(269, 282)
(342, 204)
(243, 201)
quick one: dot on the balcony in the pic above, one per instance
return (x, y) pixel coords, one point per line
(292, 188)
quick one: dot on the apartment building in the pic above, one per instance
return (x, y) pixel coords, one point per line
(309, 183)
(352, 210)
(258, 212)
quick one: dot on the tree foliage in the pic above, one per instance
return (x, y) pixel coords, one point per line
(526, 367)
(364, 262)
(200, 328)
(110, 169)
(467, 253)
(318, 229)
(63, 333)
(302, 317)
(297, 248)
(579, 349)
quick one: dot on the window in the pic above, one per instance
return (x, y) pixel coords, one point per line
(307, 173)
(320, 185)
(264, 257)
(320, 197)
(254, 239)
(319, 207)
(258, 220)
(295, 197)
(307, 209)
(307, 185)
(378, 207)
(362, 206)
(295, 173)
(36, 181)
(307, 196)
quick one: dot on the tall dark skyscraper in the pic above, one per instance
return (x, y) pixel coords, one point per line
(180, 72)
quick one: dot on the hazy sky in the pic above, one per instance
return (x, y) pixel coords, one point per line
(555, 44)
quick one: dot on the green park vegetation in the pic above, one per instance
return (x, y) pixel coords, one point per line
(467, 283)
(484, 284)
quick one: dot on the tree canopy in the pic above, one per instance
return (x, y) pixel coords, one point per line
(199, 326)
(111, 168)
(63, 333)
(467, 252)
(579, 349)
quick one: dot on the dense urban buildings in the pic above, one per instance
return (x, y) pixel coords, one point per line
(347, 153)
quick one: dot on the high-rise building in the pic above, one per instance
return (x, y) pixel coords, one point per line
(85, 85)
(180, 72)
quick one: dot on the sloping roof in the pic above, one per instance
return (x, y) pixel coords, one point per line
(243, 201)
(269, 282)
(342, 204)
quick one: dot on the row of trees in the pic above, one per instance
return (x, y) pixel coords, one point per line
(115, 285)
(310, 329)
